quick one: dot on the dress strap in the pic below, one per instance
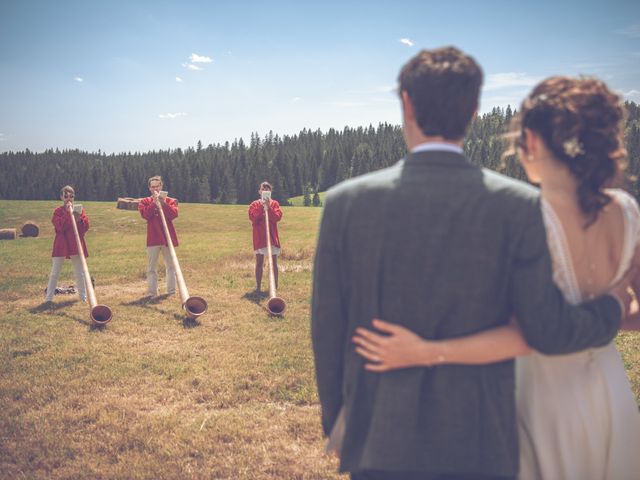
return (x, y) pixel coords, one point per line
(563, 272)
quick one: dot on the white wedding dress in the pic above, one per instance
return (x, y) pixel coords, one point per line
(578, 418)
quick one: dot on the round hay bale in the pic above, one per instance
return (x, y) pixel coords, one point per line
(8, 233)
(30, 229)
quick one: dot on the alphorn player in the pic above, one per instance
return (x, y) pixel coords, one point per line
(64, 243)
(156, 241)
(256, 215)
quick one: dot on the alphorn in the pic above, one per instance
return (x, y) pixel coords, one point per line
(100, 314)
(194, 306)
(275, 305)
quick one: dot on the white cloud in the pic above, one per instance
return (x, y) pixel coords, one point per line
(195, 58)
(172, 115)
(632, 31)
(178, 79)
(407, 42)
(632, 94)
(3, 137)
(191, 66)
(78, 79)
(498, 81)
(295, 99)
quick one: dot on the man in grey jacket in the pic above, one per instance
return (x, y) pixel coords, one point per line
(446, 249)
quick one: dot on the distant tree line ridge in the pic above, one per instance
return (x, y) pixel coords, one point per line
(228, 173)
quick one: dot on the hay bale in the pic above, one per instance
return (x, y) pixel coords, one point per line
(128, 203)
(30, 229)
(8, 233)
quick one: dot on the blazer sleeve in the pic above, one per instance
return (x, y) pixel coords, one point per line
(170, 209)
(549, 323)
(274, 211)
(61, 220)
(83, 223)
(147, 208)
(256, 213)
(328, 316)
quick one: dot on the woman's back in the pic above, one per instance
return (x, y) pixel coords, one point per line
(594, 252)
(577, 414)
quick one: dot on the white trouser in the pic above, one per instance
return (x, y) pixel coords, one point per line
(55, 272)
(152, 275)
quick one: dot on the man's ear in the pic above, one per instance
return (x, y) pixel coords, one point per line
(532, 141)
(407, 108)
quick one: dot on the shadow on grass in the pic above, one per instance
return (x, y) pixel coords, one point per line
(81, 321)
(187, 322)
(150, 303)
(51, 306)
(255, 296)
(146, 300)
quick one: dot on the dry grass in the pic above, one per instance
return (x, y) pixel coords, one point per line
(153, 395)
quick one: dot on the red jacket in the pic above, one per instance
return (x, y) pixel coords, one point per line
(256, 215)
(64, 245)
(155, 232)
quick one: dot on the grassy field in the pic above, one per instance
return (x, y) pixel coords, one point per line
(153, 396)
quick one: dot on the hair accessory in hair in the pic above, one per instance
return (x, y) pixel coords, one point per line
(539, 98)
(572, 147)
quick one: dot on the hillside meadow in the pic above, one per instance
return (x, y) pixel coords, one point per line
(154, 395)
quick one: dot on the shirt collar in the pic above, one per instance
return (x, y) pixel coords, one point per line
(437, 146)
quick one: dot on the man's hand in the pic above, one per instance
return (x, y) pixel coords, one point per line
(623, 290)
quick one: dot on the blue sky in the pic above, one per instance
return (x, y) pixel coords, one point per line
(142, 75)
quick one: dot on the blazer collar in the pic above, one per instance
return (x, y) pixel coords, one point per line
(437, 158)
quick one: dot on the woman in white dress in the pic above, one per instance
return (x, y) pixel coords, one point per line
(578, 418)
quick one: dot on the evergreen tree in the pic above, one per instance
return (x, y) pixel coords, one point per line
(316, 199)
(307, 196)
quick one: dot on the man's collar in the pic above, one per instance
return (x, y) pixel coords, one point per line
(437, 146)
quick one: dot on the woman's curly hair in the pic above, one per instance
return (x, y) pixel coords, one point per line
(581, 122)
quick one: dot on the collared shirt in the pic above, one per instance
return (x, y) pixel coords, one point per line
(437, 146)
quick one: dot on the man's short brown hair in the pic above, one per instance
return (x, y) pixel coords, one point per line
(67, 189)
(444, 88)
(156, 178)
(264, 185)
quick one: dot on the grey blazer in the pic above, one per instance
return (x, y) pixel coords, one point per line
(444, 248)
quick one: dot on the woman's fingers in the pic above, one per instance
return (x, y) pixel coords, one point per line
(386, 326)
(376, 367)
(373, 338)
(363, 342)
(367, 354)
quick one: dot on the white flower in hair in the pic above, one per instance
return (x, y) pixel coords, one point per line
(573, 147)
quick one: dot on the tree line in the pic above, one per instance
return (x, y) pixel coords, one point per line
(300, 164)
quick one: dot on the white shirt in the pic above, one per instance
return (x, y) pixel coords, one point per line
(437, 146)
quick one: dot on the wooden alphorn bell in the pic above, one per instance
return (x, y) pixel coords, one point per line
(275, 305)
(194, 306)
(100, 314)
